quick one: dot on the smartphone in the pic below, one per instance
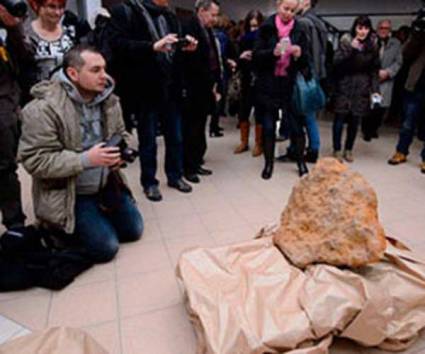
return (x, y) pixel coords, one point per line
(182, 43)
(284, 44)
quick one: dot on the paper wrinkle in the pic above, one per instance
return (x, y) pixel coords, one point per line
(247, 299)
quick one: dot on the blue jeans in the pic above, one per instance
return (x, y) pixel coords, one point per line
(101, 232)
(171, 124)
(312, 131)
(313, 134)
(412, 111)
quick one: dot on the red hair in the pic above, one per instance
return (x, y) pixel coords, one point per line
(36, 4)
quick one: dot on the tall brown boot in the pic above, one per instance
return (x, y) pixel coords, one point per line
(258, 148)
(243, 146)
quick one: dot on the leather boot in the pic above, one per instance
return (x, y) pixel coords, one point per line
(268, 157)
(299, 152)
(258, 148)
(243, 146)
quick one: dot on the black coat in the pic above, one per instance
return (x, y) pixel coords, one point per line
(265, 61)
(198, 76)
(356, 74)
(142, 78)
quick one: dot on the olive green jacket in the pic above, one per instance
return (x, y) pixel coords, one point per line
(50, 150)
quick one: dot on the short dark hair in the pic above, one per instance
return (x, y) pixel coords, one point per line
(205, 4)
(73, 58)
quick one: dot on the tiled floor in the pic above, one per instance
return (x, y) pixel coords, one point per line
(134, 304)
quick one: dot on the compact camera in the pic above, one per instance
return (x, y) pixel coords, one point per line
(127, 154)
(182, 43)
(376, 101)
(17, 8)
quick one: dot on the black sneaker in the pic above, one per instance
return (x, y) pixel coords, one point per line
(153, 193)
(181, 186)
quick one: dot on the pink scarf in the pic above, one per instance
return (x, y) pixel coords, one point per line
(284, 30)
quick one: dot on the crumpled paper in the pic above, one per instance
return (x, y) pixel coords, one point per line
(247, 299)
(57, 340)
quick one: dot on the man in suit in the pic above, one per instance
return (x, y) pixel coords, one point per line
(202, 71)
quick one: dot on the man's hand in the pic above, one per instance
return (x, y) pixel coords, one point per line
(384, 75)
(100, 156)
(246, 55)
(192, 46)
(232, 64)
(7, 19)
(165, 44)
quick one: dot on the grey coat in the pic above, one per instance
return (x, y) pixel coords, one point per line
(317, 39)
(391, 60)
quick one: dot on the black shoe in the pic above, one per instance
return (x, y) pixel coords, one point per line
(204, 172)
(302, 169)
(288, 157)
(220, 129)
(311, 156)
(153, 193)
(216, 134)
(367, 138)
(192, 177)
(268, 171)
(181, 186)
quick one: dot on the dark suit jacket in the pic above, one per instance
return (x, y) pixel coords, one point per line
(199, 78)
(142, 78)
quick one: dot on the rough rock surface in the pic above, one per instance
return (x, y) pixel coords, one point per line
(331, 217)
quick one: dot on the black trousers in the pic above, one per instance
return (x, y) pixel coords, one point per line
(10, 188)
(195, 114)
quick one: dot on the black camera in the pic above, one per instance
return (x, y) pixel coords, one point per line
(182, 43)
(418, 25)
(17, 8)
(127, 154)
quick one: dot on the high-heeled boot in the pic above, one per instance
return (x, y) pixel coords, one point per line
(243, 146)
(258, 148)
(300, 157)
(268, 146)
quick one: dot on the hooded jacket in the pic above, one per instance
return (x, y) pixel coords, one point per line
(52, 148)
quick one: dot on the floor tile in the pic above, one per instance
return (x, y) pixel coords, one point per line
(84, 306)
(147, 292)
(164, 332)
(107, 335)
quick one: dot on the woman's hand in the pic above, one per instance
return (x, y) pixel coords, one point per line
(355, 43)
(278, 50)
(296, 51)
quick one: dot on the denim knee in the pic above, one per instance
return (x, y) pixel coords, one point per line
(105, 252)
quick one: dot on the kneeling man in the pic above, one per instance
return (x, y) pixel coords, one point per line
(77, 184)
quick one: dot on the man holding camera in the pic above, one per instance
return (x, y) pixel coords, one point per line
(147, 44)
(13, 55)
(77, 185)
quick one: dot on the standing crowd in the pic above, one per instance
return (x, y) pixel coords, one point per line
(70, 94)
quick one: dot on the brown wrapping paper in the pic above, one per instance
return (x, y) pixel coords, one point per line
(54, 341)
(247, 299)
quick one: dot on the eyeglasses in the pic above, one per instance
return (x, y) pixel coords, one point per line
(384, 28)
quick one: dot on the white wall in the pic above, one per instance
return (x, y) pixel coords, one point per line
(237, 9)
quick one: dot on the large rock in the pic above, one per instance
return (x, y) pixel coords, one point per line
(331, 218)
